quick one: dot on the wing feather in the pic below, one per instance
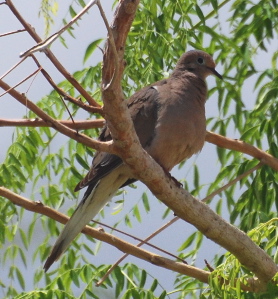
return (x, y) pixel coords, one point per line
(143, 107)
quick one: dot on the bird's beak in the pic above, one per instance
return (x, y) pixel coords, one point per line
(215, 73)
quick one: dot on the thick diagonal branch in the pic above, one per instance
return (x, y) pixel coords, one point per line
(147, 170)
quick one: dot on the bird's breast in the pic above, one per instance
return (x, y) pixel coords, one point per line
(179, 133)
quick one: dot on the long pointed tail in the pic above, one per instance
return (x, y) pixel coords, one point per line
(87, 209)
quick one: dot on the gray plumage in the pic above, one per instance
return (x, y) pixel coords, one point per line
(169, 119)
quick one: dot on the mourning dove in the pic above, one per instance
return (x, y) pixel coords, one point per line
(169, 119)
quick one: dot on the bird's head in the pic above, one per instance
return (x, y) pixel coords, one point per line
(197, 62)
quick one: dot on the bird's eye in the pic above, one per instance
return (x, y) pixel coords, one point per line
(201, 60)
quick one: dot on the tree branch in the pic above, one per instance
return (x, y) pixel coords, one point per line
(158, 231)
(12, 32)
(98, 145)
(22, 81)
(241, 146)
(79, 103)
(147, 170)
(122, 245)
(111, 41)
(77, 125)
(201, 275)
(219, 140)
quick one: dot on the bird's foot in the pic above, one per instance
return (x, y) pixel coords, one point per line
(178, 184)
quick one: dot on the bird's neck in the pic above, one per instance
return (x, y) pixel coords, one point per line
(190, 83)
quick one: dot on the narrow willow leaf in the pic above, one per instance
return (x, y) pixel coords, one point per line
(200, 14)
(20, 278)
(72, 12)
(136, 213)
(23, 238)
(154, 285)
(146, 202)
(188, 242)
(75, 278)
(119, 279)
(82, 162)
(91, 48)
(22, 255)
(82, 3)
(143, 279)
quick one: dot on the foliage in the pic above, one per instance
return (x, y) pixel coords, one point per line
(48, 9)
(240, 34)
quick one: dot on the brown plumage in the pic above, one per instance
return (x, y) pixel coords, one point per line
(169, 119)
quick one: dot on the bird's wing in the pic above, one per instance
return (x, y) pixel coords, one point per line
(108, 173)
(143, 106)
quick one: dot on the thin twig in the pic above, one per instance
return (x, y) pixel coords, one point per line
(209, 266)
(112, 43)
(66, 96)
(61, 97)
(12, 68)
(67, 108)
(145, 241)
(41, 46)
(32, 81)
(51, 56)
(12, 32)
(77, 125)
(234, 181)
(22, 81)
(109, 271)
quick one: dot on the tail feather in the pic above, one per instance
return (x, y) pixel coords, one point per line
(87, 209)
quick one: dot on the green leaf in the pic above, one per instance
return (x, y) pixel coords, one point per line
(200, 14)
(75, 278)
(23, 238)
(154, 285)
(20, 278)
(136, 213)
(250, 133)
(188, 242)
(143, 279)
(82, 162)
(146, 202)
(91, 48)
(196, 177)
(73, 13)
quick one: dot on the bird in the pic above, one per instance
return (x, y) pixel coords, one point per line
(169, 120)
